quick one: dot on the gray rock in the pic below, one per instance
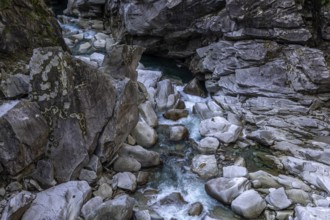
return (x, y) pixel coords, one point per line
(90, 206)
(20, 145)
(126, 164)
(176, 114)
(142, 178)
(174, 198)
(95, 165)
(63, 201)
(265, 179)
(205, 166)
(220, 128)
(44, 173)
(144, 135)
(195, 88)
(207, 110)
(208, 145)
(15, 86)
(84, 48)
(292, 183)
(298, 196)
(97, 57)
(120, 208)
(125, 180)
(14, 186)
(142, 215)
(149, 78)
(225, 190)
(195, 209)
(17, 205)
(278, 199)
(145, 157)
(234, 171)
(178, 133)
(88, 175)
(166, 96)
(249, 204)
(148, 114)
(311, 213)
(104, 191)
(262, 137)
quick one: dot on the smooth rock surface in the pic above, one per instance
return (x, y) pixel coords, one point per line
(205, 166)
(234, 171)
(278, 199)
(144, 135)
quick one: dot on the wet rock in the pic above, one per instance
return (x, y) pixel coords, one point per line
(44, 173)
(125, 180)
(88, 175)
(195, 209)
(142, 178)
(278, 199)
(63, 201)
(234, 171)
(149, 78)
(205, 166)
(311, 213)
(265, 179)
(207, 110)
(248, 204)
(165, 96)
(262, 137)
(17, 205)
(195, 88)
(178, 133)
(298, 196)
(90, 206)
(104, 191)
(148, 114)
(15, 86)
(20, 145)
(175, 114)
(220, 128)
(126, 164)
(120, 208)
(208, 145)
(225, 190)
(144, 135)
(145, 157)
(174, 198)
(95, 165)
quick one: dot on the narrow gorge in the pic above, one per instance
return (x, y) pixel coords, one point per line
(164, 109)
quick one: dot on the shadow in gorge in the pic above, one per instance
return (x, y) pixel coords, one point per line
(58, 6)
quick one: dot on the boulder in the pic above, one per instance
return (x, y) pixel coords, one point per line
(97, 57)
(145, 157)
(149, 78)
(220, 128)
(15, 86)
(176, 114)
(262, 137)
(126, 164)
(17, 205)
(166, 96)
(298, 196)
(20, 145)
(311, 213)
(278, 199)
(175, 198)
(120, 208)
(95, 165)
(205, 166)
(178, 133)
(125, 180)
(88, 175)
(142, 215)
(144, 135)
(235, 171)
(225, 190)
(249, 204)
(194, 87)
(44, 173)
(264, 179)
(90, 206)
(63, 201)
(195, 209)
(104, 191)
(208, 145)
(148, 114)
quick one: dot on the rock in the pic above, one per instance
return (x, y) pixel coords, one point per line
(278, 199)
(195, 88)
(148, 114)
(207, 110)
(95, 165)
(149, 78)
(15, 86)
(165, 96)
(125, 180)
(262, 137)
(311, 213)
(240, 161)
(63, 201)
(205, 166)
(17, 205)
(176, 114)
(178, 133)
(44, 173)
(90, 206)
(142, 215)
(195, 209)
(126, 164)
(20, 145)
(292, 183)
(14, 186)
(97, 57)
(225, 190)
(174, 198)
(248, 204)
(84, 48)
(88, 175)
(298, 196)
(234, 171)
(145, 157)
(99, 44)
(104, 191)
(142, 178)
(265, 179)
(208, 145)
(120, 208)
(2, 192)
(144, 135)
(220, 128)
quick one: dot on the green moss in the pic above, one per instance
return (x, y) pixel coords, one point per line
(5, 4)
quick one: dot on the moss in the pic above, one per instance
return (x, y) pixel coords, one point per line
(4, 4)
